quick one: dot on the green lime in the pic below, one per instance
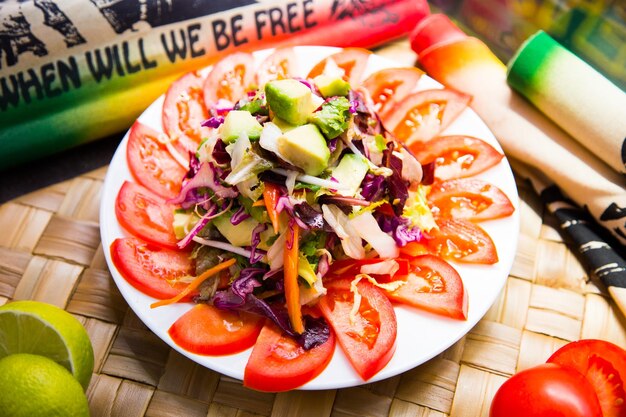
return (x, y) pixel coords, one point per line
(33, 385)
(43, 329)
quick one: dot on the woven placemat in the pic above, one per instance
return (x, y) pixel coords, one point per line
(50, 251)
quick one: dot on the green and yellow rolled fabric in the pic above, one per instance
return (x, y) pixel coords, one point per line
(574, 95)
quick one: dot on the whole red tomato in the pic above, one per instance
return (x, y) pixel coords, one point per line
(547, 390)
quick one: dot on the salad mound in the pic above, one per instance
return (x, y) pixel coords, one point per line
(301, 217)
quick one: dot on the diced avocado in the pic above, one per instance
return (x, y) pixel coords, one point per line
(290, 100)
(331, 86)
(306, 148)
(183, 222)
(283, 125)
(240, 234)
(237, 234)
(237, 122)
(350, 173)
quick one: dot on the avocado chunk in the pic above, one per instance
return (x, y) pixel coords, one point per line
(241, 234)
(237, 122)
(331, 86)
(306, 148)
(350, 173)
(290, 100)
(183, 223)
(237, 234)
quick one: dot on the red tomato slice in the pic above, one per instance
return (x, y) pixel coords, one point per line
(207, 330)
(150, 162)
(351, 60)
(462, 241)
(145, 215)
(469, 198)
(279, 363)
(390, 86)
(456, 156)
(423, 115)
(153, 270)
(280, 64)
(369, 340)
(433, 285)
(183, 113)
(230, 78)
(547, 390)
(604, 366)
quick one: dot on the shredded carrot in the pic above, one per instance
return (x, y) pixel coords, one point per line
(194, 284)
(270, 195)
(292, 291)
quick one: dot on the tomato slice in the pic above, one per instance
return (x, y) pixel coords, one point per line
(547, 390)
(351, 60)
(462, 241)
(145, 215)
(604, 366)
(469, 198)
(424, 114)
(369, 339)
(456, 156)
(229, 79)
(207, 330)
(389, 86)
(150, 162)
(280, 64)
(433, 285)
(183, 113)
(153, 270)
(279, 363)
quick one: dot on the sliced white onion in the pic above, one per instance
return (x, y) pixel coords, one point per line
(275, 254)
(340, 223)
(368, 229)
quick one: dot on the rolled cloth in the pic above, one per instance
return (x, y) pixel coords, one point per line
(574, 95)
(571, 180)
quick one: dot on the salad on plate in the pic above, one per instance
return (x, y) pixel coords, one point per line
(293, 213)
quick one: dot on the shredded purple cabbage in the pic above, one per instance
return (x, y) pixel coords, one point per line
(400, 230)
(308, 216)
(397, 187)
(372, 187)
(240, 296)
(255, 254)
(183, 243)
(332, 144)
(239, 216)
(213, 122)
(206, 177)
(219, 153)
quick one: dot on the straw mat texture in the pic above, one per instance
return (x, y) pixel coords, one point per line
(50, 251)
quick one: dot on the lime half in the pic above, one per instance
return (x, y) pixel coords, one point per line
(43, 329)
(33, 385)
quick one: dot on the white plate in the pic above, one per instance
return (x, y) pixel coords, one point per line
(421, 335)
